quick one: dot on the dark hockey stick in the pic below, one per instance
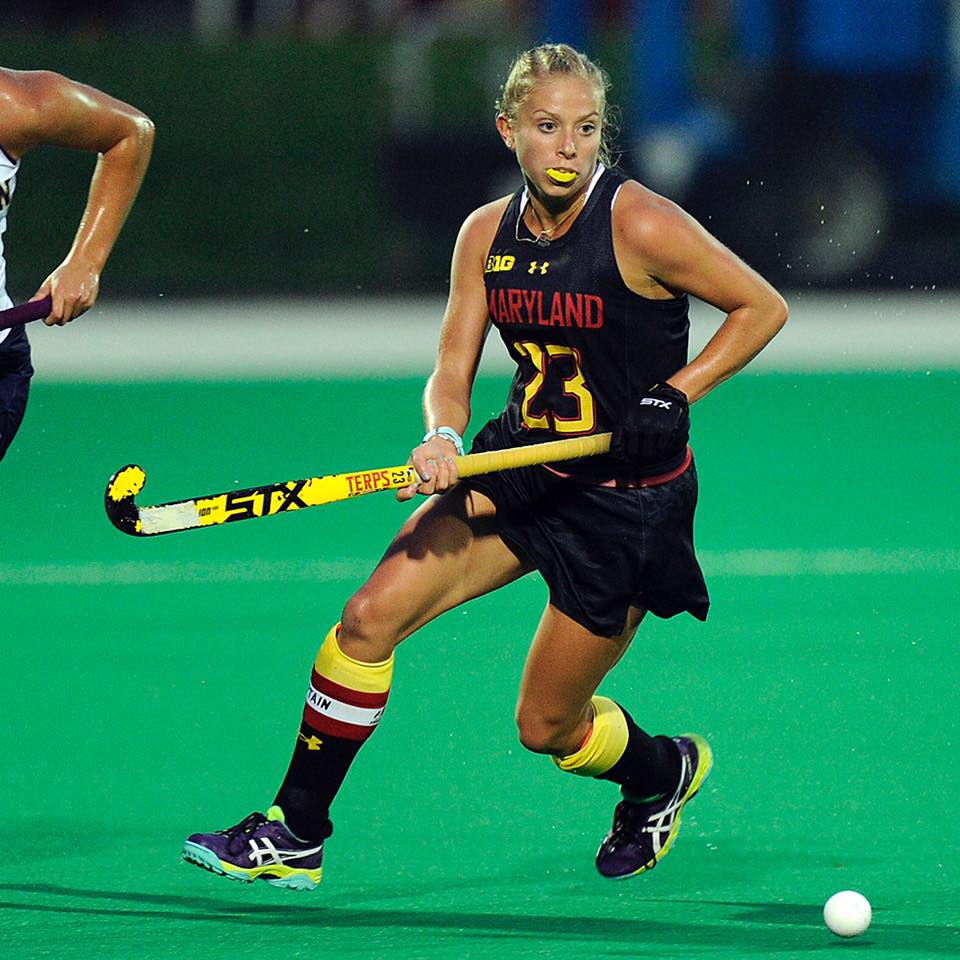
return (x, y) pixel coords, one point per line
(25, 312)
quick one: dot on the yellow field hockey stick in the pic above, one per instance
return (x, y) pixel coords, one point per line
(255, 502)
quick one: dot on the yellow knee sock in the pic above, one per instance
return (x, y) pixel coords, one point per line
(604, 746)
(346, 697)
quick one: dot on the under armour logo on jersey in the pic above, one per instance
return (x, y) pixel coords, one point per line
(537, 265)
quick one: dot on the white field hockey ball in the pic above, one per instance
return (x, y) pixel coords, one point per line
(847, 913)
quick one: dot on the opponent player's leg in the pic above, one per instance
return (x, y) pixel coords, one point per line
(445, 554)
(15, 374)
(558, 713)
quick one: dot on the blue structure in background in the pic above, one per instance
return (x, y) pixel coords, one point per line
(866, 84)
(869, 36)
(889, 61)
(567, 21)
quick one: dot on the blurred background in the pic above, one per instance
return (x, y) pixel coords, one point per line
(332, 147)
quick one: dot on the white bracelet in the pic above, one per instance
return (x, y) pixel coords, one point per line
(448, 433)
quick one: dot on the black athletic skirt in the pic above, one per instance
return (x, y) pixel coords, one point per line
(601, 549)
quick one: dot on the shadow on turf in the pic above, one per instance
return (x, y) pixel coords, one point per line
(765, 930)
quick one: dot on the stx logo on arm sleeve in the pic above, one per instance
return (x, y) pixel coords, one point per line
(654, 402)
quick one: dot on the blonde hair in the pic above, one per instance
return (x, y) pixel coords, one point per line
(552, 59)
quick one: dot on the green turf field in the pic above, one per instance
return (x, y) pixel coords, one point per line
(152, 688)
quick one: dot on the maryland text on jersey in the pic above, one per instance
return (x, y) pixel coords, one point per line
(531, 307)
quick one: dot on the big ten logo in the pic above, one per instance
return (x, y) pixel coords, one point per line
(499, 263)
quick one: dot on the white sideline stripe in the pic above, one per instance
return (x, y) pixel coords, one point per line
(132, 573)
(344, 712)
(827, 563)
(166, 339)
(716, 563)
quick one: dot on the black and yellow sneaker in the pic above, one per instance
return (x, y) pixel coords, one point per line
(642, 833)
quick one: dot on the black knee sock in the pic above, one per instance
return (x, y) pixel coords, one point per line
(317, 769)
(344, 704)
(648, 768)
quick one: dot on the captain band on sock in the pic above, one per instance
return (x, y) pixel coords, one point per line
(346, 697)
(605, 745)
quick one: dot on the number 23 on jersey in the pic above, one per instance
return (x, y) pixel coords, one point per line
(546, 359)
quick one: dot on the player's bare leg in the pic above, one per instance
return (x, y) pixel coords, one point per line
(559, 714)
(445, 554)
(564, 668)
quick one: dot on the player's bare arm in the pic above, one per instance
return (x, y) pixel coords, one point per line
(42, 107)
(446, 399)
(661, 251)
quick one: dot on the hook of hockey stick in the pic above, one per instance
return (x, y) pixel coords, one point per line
(122, 510)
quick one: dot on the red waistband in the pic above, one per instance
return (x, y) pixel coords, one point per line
(629, 484)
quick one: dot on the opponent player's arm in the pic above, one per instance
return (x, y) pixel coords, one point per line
(47, 108)
(446, 398)
(659, 243)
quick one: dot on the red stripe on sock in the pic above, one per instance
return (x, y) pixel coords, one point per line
(334, 728)
(356, 698)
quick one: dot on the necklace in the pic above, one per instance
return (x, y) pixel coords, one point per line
(546, 235)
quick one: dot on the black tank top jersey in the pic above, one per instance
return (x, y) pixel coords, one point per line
(583, 342)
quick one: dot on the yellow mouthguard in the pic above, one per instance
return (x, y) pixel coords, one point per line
(564, 176)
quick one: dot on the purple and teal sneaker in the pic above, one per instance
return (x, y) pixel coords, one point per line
(258, 848)
(642, 833)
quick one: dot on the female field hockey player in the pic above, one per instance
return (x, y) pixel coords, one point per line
(586, 277)
(40, 107)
